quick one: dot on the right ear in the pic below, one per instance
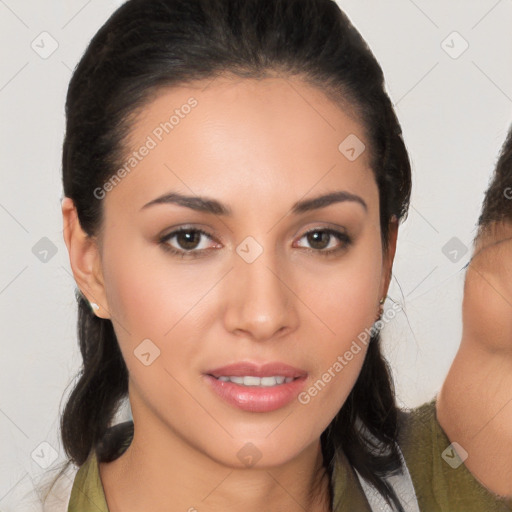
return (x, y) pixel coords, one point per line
(84, 258)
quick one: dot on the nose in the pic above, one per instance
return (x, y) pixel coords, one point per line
(260, 303)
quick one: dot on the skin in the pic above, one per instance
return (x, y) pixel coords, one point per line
(257, 147)
(474, 406)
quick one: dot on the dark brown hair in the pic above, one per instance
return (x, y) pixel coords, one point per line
(497, 204)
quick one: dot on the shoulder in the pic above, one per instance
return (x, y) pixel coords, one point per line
(441, 480)
(87, 493)
(347, 491)
(416, 426)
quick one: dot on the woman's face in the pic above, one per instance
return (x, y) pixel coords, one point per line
(245, 285)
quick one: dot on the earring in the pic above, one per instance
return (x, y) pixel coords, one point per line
(94, 306)
(381, 307)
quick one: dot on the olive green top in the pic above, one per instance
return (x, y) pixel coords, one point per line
(442, 482)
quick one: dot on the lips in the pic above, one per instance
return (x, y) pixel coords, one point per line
(244, 368)
(256, 388)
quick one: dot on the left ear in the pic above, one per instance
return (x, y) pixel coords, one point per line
(389, 256)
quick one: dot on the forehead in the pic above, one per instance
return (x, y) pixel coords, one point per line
(270, 138)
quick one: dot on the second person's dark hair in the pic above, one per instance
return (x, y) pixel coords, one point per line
(147, 45)
(497, 204)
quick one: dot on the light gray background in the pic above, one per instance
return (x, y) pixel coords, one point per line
(455, 113)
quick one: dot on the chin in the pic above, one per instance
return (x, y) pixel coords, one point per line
(260, 453)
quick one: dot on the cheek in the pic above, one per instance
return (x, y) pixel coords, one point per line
(345, 300)
(346, 296)
(151, 297)
(147, 293)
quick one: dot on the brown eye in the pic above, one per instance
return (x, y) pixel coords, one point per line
(320, 240)
(186, 242)
(188, 239)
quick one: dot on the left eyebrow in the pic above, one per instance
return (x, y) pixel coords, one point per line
(326, 200)
(207, 205)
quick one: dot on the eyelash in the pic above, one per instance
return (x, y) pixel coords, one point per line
(342, 237)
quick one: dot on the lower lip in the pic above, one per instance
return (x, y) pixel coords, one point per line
(255, 398)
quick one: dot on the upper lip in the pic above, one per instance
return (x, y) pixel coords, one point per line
(244, 368)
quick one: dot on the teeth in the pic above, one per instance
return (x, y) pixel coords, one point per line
(255, 381)
(250, 380)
